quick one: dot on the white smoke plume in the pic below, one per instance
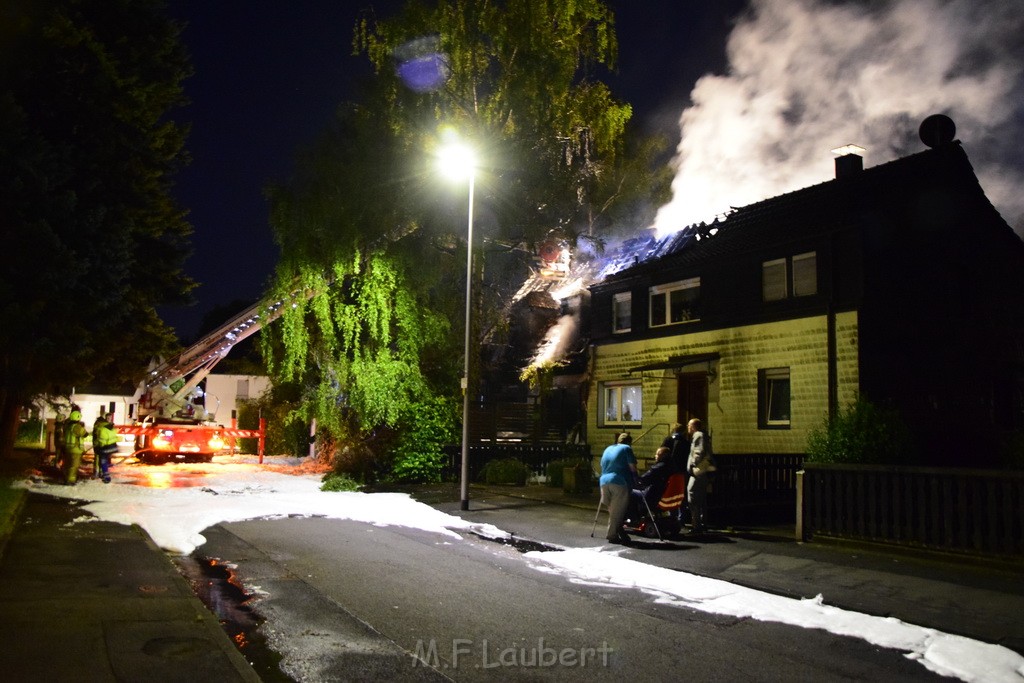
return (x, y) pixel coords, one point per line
(806, 76)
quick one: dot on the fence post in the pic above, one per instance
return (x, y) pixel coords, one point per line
(799, 530)
(262, 443)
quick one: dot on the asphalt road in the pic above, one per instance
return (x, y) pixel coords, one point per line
(348, 601)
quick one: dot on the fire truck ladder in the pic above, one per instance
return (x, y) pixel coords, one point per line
(198, 360)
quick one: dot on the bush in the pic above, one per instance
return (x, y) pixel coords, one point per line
(419, 458)
(865, 434)
(285, 436)
(554, 470)
(30, 433)
(338, 481)
(506, 471)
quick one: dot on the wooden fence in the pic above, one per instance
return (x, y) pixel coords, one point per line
(535, 456)
(753, 488)
(747, 488)
(977, 511)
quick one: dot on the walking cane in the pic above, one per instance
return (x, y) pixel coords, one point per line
(596, 515)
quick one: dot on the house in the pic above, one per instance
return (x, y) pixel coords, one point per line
(224, 394)
(900, 282)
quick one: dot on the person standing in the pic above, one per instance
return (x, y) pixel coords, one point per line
(74, 445)
(699, 466)
(618, 473)
(678, 444)
(104, 444)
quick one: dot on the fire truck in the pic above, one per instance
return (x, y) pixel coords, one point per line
(173, 421)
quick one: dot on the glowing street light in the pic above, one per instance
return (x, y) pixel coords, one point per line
(458, 162)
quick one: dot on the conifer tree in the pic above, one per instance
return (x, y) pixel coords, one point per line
(93, 241)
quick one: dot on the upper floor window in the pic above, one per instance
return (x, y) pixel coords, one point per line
(622, 403)
(675, 302)
(777, 283)
(622, 312)
(805, 274)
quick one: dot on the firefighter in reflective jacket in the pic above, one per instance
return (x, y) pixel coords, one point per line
(104, 444)
(74, 445)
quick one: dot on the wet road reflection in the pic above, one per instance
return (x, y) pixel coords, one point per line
(154, 477)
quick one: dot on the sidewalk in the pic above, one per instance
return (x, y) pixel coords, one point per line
(100, 602)
(980, 598)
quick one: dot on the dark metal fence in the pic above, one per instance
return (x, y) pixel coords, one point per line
(977, 511)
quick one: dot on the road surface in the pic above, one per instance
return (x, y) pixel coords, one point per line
(348, 601)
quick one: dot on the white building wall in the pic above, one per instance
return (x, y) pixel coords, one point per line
(224, 392)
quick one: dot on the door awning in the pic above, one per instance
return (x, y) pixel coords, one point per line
(675, 362)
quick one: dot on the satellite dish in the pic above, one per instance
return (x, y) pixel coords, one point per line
(937, 130)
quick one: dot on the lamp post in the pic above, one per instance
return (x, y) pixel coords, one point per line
(458, 161)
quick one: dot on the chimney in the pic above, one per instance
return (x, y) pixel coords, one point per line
(849, 162)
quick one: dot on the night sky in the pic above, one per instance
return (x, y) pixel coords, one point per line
(268, 76)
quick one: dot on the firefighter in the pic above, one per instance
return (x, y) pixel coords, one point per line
(104, 444)
(74, 445)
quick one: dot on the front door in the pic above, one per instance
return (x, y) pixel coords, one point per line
(693, 397)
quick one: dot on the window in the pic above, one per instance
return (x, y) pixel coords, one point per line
(622, 312)
(623, 403)
(675, 302)
(773, 398)
(775, 277)
(805, 274)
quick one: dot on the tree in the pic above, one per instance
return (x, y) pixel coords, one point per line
(93, 240)
(367, 228)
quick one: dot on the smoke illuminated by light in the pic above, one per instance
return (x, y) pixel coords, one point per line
(807, 76)
(552, 348)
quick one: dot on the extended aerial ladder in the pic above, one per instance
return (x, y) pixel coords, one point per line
(169, 420)
(169, 387)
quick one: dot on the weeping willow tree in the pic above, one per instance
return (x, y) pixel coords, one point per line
(372, 243)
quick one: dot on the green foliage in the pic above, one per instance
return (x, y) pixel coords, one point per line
(93, 238)
(357, 346)
(506, 471)
(338, 481)
(539, 376)
(525, 85)
(30, 433)
(864, 433)
(287, 433)
(419, 457)
(372, 243)
(555, 475)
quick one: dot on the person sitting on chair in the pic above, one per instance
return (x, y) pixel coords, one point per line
(651, 485)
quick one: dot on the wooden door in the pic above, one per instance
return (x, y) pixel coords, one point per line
(693, 397)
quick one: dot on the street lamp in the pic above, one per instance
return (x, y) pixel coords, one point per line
(458, 162)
